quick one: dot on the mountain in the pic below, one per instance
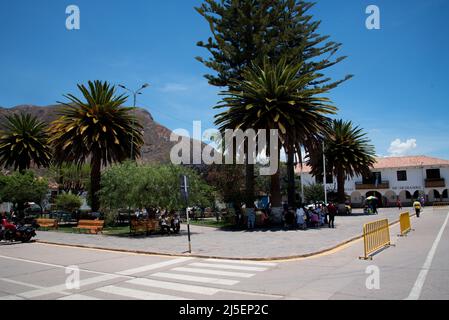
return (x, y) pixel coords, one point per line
(157, 137)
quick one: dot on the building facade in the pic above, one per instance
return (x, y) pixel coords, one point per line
(393, 178)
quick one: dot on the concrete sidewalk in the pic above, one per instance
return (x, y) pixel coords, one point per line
(217, 243)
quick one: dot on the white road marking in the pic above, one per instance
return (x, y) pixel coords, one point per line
(417, 288)
(254, 263)
(215, 272)
(174, 286)
(153, 266)
(25, 284)
(60, 288)
(137, 294)
(195, 279)
(78, 297)
(11, 297)
(225, 266)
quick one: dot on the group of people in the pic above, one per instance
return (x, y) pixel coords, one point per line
(310, 217)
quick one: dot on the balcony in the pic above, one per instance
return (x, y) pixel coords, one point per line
(435, 183)
(368, 186)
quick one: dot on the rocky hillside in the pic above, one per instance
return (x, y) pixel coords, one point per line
(157, 137)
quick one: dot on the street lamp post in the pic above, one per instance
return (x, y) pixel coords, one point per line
(324, 174)
(134, 93)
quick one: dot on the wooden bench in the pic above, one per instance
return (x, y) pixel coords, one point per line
(47, 223)
(90, 226)
(144, 226)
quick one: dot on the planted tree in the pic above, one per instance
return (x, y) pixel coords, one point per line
(348, 153)
(247, 31)
(68, 202)
(276, 96)
(96, 129)
(21, 188)
(24, 142)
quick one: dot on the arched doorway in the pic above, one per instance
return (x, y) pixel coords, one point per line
(391, 198)
(406, 198)
(434, 196)
(445, 195)
(417, 194)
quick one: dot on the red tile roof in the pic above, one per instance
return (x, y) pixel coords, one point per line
(397, 162)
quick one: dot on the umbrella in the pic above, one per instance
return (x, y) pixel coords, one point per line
(371, 198)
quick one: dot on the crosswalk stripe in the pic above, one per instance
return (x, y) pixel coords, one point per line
(225, 266)
(78, 297)
(215, 272)
(195, 279)
(253, 263)
(61, 288)
(174, 286)
(153, 266)
(137, 294)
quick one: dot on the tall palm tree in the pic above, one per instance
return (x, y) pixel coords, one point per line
(277, 96)
(98, 129)
(24, 142)
(348, 154)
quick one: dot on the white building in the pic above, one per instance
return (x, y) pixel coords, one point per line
(406, 178)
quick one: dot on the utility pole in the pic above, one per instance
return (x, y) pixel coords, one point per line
(185, 195)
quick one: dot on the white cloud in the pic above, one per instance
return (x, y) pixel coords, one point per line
(399, 148)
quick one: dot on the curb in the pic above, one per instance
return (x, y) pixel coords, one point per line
(269, 259)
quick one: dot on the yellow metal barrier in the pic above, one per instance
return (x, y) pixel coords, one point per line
(406, 225)
(376, 235)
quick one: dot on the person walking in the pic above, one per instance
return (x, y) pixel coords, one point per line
(251, 218)
(417, 206)
(332, 213)
(399, 204)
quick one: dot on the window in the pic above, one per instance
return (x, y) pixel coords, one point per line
(374, 178)
(433, 174)
(402, 175)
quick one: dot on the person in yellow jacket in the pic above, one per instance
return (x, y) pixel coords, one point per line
(417, 206)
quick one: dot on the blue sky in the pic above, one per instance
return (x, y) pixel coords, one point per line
(400, 90)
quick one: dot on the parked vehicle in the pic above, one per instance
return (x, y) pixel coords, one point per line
(344, 209)
(16, 232)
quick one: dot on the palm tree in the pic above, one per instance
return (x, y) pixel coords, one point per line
(98, 129)
(277, 96)
(23, 142)
(348, 154)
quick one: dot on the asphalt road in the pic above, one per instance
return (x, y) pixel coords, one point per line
(416, 268)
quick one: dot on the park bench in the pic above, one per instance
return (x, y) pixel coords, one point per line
(47, 223)
(144, 226)
(90, 226)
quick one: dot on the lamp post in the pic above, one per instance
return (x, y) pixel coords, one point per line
(134, 93)
(324, 173)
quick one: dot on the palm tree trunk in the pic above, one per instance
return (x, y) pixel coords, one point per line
(95, 182)
(291, 187)
(341, 186)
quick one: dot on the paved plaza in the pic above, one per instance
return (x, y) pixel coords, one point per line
(213, 242)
